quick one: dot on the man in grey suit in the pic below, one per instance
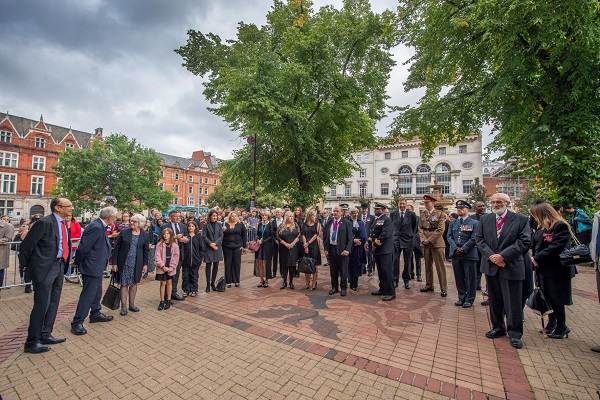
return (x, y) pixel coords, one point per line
(502, 238)
(405, 229)
(91, 257)
(337, 243)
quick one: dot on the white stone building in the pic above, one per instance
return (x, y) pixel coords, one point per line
(400, 166)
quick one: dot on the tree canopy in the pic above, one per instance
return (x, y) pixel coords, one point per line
(308, 85)
(118, 166)
(528, 68)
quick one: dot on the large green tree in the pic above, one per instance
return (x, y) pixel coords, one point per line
(117, 166)
(528, 68)
(309, 85)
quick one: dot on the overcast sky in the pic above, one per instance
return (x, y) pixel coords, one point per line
(111, 64)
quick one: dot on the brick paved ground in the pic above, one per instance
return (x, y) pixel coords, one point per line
(268, 343)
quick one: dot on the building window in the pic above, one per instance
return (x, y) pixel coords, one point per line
(162, 186)
(39, 163)
(384, 170)
(387, 156)
(333, 191)
(347, 190)
(442, 151)
(442, 173)
(404, 153)
(366, 157)
(176, 176)
(467, 184)
(8, 183)
(405, 180)
(190, 200)
(175, 201)
(5, 136)
(423, 179)
(40, 142)
(191, 178)
(69, 145)
(175, 188)
(363, 190)
(162, 173)
(363, 173)
(9, 160)
(216, 182)
(467, 165)
(359, 157)
(385, 189)
(206, 180)
(37, 185)
(206, 190)
(486, 171)
(462, 148)
(191, 189)
(7, 206)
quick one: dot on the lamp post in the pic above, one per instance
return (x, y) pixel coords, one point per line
(252, 141)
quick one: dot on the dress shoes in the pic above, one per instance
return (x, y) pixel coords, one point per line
(292, 286)
(406, 285)
(467, 305)
(53, 340)
(78, 330)
(444, 293)
(485, 303)
(177, 297)
(389, 297)
(28, 289)
(426, 289)
(595, 349)
(377, 293)
(101, 318)
(516, 343)
(458, 303)
(495, 333)
(36, 348)
(332, 292)
(343, 292)
(559, 334)
(134, 309)
(419, 279)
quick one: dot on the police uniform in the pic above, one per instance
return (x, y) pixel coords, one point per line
(431, 228)
(464, 255)
(381, 244)
(345, 207)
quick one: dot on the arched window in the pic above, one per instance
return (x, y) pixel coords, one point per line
(442, 173)
(423, 178)
(405, 180)
(37, 209)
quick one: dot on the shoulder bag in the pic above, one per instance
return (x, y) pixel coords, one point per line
(578, 254)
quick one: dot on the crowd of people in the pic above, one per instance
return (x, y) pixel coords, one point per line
(503, 245)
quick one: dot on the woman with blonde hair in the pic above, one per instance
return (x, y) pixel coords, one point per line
(552, 237)
(288, 236)
(235, 239)
(310, 235)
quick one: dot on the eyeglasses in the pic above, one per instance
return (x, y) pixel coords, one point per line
(69, 205)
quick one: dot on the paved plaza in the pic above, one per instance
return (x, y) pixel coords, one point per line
(267, 343)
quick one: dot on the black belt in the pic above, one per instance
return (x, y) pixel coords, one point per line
(59, 260)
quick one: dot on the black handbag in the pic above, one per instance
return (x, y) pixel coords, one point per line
(112, 296)
(538, 303)
(578, 254)
(221, 284)
(307, 265)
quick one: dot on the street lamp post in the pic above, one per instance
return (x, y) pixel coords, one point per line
(252, 141)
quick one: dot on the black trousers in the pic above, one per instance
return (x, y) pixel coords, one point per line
(211, 276)
(233, 264)
(45, 304)
(288, 269)
(370, 262)
(189, 277)
(275, 259)
(176, 279)
(506, 297)
(89, 299)
(338, 269)
(385, 273)
(418, 253)
(407, 259)
(465, 275)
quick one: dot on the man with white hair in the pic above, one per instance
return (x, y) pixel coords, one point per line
(91, 257)
(595, 248)
(502, 238)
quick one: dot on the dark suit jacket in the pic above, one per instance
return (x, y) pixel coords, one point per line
(210, 235)
(463, 238)
(182, 228)
(404, 233)
(546, 252)
(38, 250)
(122, 246)
(344, 236)
(513, 242)
(382, 229)
(94, 249)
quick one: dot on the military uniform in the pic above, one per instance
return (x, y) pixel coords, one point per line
(431, 228)
(381, 244)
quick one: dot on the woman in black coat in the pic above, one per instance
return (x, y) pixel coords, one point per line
(212, 233)
(549, 241)
(288, 236)
(130, 260)
(235, 239)
(192, 255)
(264, 256)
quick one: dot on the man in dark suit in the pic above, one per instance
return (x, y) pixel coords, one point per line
(44, 255)
(502, 238)
(91, 258)
(405, 229)
(367, 219)
(479, 212)
(325, 218)
(338, 241)
(276, 222)
(180, 232)
(464, 254)
(381, 243)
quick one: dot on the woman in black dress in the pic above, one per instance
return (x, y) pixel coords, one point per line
(549, 241)
(212, 233)
(235, 239)
(288, 236)
(264, 256)
(192, 253)
(310, 235)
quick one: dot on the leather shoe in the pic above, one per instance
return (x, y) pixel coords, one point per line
(176, 297)
(36, 348)
(467, 305)
(389, 297)
(495, 333)
(53, 340)
(458, 303)
(426, 289)
(332, 292)
(595, 349)
(516, 343)
(406, 285)
(101, 318)
(343, 292)
(377, 293)
(444, 293)
(78, 330)
(485, 303)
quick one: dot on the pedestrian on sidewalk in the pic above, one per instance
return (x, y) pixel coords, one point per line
(288, 236)
(213, 237)
(166, 259)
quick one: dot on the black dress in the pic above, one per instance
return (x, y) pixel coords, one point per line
(288, 257)
(314, 251)
(265, 233)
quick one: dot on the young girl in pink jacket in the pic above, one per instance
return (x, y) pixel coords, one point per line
(166, 258)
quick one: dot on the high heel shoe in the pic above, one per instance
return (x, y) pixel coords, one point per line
(560, 335)
(283, 285)
(314, 287)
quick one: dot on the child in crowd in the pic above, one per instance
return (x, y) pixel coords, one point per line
(166, 259)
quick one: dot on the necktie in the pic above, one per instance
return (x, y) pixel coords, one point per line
(401, 216)
(460, 221)
(65, 241)
(335, 226)
(365, 219)
(176, 229)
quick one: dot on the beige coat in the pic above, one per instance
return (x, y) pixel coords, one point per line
(7, 232)
(431, 227)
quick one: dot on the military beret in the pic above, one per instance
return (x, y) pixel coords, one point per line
(344, 206)
(380, 205)
(462, 203)
(428, 198)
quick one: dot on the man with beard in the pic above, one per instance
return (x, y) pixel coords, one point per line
(381, 243)
(502, 238)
